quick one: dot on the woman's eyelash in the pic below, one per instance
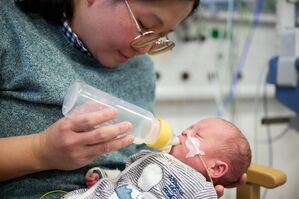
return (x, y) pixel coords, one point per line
(141, 24)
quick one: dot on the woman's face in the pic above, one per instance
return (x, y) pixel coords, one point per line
(107, 28)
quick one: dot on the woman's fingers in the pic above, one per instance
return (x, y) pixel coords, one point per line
(88, 121)
(106, 133)
(242, 180)
(82, 138)
(112, 145)
(219, 190)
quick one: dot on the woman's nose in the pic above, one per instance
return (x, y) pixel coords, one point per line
(144, 49)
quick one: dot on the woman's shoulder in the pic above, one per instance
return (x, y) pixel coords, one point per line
(9, 8)
(13, 20)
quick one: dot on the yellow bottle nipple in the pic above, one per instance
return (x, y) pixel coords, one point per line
(163, 137)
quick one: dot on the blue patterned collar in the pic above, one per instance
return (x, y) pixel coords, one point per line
(73, 38)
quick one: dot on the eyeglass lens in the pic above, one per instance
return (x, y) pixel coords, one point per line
(159, 44)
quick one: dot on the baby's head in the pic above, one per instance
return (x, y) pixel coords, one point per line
(227, 153)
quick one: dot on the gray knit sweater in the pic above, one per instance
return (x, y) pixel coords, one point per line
(37, 65)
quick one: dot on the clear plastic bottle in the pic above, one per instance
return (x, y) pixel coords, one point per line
(155, 132)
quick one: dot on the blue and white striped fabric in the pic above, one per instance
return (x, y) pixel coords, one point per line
(72, 37)
(140, 180)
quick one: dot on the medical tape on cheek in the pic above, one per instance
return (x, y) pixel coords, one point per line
(193, 145)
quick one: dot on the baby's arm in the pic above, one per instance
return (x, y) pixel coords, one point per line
(93, 175)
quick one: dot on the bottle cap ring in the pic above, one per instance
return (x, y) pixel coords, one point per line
(164, 135)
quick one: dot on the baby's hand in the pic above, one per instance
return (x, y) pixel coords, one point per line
(93, 175)
(91, 179)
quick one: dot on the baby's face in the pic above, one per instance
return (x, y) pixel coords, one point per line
(180, 151)
(209, 134)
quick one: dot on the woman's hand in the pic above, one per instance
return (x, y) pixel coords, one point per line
(67, 144)
(72, 143)
(242, 181)
(220, 189)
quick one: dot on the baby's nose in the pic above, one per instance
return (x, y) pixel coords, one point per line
(188, 132)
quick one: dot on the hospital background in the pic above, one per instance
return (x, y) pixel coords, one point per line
(220, 67)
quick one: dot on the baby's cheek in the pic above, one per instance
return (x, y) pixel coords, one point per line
(179, 151)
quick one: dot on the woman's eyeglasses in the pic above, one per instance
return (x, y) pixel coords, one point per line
(150, 38)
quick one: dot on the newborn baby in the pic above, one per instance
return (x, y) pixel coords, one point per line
(211, 152)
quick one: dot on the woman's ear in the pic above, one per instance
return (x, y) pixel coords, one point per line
(218, 169)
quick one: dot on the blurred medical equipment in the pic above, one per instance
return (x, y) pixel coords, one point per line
(284, 68)
(258, 175)
(284, 75)
(219, 41)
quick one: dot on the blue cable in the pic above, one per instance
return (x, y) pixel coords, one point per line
(238, 72)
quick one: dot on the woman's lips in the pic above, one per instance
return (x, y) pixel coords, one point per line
(123, 56)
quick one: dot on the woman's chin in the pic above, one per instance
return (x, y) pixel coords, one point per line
(110, 61)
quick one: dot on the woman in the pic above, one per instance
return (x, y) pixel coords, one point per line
(44, 47)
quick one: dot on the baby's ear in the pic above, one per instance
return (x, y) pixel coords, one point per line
(218, 169)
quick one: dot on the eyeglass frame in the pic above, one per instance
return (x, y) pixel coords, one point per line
(159, 40)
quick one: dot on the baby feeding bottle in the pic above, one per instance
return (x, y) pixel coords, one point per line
(155, 132)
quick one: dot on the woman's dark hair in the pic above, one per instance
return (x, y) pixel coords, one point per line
(49, 9)
(195, 6)
(53, 9)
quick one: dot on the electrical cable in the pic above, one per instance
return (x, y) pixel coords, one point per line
(270, 145)
(238, 72)
(230, 34)
(261, 79)
(51, 192)
(213, 79)
(270, 140)
(277, 137)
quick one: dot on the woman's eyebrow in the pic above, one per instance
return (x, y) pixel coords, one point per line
(159, 20)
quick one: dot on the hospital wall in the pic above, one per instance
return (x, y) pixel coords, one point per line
(195, 77)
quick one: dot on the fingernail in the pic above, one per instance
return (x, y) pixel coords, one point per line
(127, 125)
(113, 111)
(130, 138)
